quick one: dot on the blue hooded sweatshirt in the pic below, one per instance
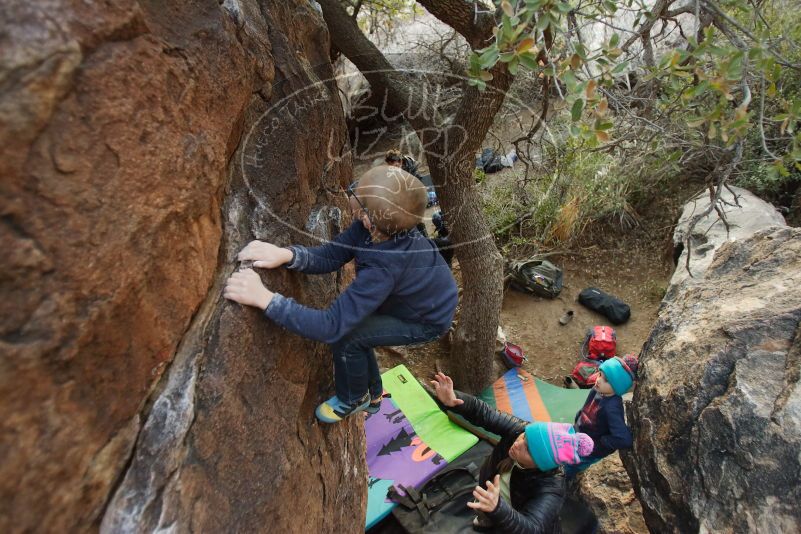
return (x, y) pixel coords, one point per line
(404, 276)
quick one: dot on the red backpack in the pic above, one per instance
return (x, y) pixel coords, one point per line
(600, 343)
(512, 355)
(585, 373)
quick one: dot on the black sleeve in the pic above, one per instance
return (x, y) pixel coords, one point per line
(537, 515)
(481, 414)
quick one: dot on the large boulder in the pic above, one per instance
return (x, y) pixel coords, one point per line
(606, 489)
(745, 214)
(717, 411)
(144, 144)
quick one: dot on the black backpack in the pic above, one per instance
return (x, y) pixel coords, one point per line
(489, 161)
(536, 276)
(440, 506)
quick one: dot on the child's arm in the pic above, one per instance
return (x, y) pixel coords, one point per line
(367, 292)
(619, 436)
(330, 256)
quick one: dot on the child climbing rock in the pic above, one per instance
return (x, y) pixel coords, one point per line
(524, 489)
(602, 416)
(403, 293)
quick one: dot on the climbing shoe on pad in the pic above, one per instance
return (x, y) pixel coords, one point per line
(334, 410)
(375, 404)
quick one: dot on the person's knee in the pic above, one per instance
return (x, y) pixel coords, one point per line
(349, 344)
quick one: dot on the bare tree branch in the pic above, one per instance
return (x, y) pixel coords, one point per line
(474, 25)
(645, 30)
(720, 14)
(356, 8)
(402, 92)
(715, 192)
(762, 118)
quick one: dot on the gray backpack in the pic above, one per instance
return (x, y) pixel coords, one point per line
(537, 276)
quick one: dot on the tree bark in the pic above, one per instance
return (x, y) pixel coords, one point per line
(450, 150)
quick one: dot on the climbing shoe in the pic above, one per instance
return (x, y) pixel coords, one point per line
(375, 404)
(334, 410)
(566, 318)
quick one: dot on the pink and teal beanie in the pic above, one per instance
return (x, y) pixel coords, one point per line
(555, 444)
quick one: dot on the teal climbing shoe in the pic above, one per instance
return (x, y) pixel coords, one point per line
(375, 405)
(334, 410)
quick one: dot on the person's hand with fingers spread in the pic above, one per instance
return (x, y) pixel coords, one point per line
(245, 287)
(443, 387)
(487, 499)
(265, 255)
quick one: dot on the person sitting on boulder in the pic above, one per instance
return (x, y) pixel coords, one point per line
(525, 488)
(403, 293)
(602, 416)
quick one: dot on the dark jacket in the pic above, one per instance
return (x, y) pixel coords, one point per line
(602, 418)
(537, 496)
(404, 276)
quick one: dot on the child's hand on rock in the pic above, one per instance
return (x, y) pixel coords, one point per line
(245, 287)
(265, 255)
(443, 387)
(487, 499)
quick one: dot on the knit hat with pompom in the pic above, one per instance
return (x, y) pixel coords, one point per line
(555, 444)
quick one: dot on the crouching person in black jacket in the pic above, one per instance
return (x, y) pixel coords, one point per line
(525, 486)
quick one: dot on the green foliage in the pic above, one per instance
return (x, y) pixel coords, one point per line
(581, 187)
(715, 80)
(382, 15)
(501, 206)
(763, 178)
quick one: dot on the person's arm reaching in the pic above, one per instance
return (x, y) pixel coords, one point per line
(325, 258)
(367, 292)
(330, 256)
(474, 410)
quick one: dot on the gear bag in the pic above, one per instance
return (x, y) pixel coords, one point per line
(614, 309)
(600, 343)
(585, 373)
(440, 506)
(512, 355)
(536, 276)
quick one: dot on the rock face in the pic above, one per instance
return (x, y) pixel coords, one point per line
(144, 144)
(606, 488)
(745, 213)
(717, 411)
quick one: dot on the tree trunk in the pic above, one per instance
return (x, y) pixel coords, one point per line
(450, 151)
(481, 265)
(473, 345)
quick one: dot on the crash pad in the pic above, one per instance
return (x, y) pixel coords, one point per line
(519, 393)
(409, 440)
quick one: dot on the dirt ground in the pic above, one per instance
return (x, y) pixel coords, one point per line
(638, 278)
